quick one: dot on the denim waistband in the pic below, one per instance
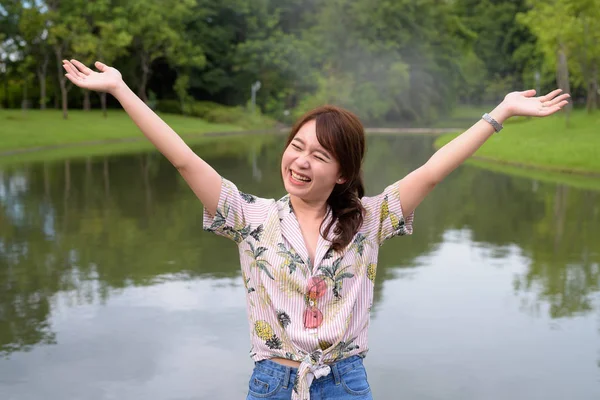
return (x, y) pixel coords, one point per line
(289, 373)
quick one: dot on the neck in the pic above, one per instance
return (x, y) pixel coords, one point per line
(313, 210)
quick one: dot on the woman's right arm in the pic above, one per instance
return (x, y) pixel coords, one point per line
(204, 181)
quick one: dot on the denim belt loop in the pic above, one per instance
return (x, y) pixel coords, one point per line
(336, 374)
(286, 378)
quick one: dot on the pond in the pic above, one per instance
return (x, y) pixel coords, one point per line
(109, 288)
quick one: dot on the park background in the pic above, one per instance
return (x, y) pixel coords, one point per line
(110, 289)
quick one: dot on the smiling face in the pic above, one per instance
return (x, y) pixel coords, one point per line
(309, 171)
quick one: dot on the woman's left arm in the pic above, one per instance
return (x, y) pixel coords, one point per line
(416, 185)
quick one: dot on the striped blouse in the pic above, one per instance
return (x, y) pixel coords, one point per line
(313, 314)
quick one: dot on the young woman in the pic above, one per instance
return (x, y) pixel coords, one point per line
(309, 259)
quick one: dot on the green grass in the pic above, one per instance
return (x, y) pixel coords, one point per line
(545, 143)
(35, 129)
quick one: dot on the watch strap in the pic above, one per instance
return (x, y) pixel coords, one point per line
(488, 118)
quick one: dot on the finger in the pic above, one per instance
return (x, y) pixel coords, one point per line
(81, 67)
(557, 100)
(75, 80)
(550, 95)
(101, 67)
(529, 93)
(73, 71)
(553, 109)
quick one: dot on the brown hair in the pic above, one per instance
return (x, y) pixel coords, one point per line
(342, 134)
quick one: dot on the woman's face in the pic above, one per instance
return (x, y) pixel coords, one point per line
(309, 171)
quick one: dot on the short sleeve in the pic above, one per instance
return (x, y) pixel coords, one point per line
(238, 216)
(384, 218)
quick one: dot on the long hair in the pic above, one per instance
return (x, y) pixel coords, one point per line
(342, 134)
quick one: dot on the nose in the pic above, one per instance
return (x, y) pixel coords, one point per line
(302, 161)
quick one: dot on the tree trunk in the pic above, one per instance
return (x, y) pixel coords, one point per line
(562, 76)
(86, 100)
(42, 70)
(6, 105)
(64, 99)
(42, 79)
(103, 104)
(144, 78)
(592, 90)
(62, 81)
(24, 100)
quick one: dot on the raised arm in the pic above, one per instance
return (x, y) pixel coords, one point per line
(416, 185)
(204, 181)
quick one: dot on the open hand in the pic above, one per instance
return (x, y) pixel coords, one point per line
(107, 80)
(524, 104)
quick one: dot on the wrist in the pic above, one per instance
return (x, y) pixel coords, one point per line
(501, 113)
(119, 89)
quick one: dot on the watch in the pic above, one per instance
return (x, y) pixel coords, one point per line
(488, 118)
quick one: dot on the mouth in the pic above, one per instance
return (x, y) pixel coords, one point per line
(298, 179)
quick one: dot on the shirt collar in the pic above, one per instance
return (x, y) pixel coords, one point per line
(290, 229)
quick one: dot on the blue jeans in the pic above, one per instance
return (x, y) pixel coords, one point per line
(347, 381)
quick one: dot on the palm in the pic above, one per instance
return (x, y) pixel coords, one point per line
(524, 104)
(104, 81)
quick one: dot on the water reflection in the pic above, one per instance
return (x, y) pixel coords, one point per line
(126, 231)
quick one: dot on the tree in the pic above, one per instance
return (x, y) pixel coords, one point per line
(587, 46)
(113, 40)
(568, 34)
(65, 24)
(394, 60)
(156, 27)
(498, 36)
(34, 32)
(9, 46)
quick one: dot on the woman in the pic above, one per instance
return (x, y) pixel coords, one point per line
(309, 259)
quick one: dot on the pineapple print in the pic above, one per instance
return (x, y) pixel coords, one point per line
(385, 209)
(265, 332)
(372, 271)
(397, 223)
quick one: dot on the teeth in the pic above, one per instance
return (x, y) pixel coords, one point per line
(300, 178)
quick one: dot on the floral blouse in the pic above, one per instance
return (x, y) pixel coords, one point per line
(313, 314)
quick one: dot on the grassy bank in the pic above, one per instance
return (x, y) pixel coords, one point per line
(545, 144)
(37, 129)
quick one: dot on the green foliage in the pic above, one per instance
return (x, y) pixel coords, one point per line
(391, 61)
(218, 113)
(573, 28)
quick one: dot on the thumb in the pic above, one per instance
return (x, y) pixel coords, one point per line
(101, 67)
(529, 93)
